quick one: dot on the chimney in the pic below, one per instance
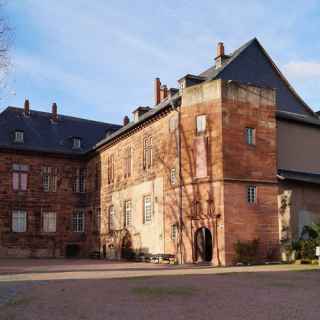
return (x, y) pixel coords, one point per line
(54, 112)
(220, 49)
(221, 56)
(126, 120)
(163, 92)
(157, 88)
(26, 107)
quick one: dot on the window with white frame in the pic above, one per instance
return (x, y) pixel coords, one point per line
(147, 209)
(19, 221)
(201, 124)
(18, 136)
(252, 194)
(76, 143)
(174, 232)
(20, 177)
(49, 222)
(112, 222)
(79, 184)
(49, 179)
(127, 213)
(251, 136)
(173, 176)
(78, 220)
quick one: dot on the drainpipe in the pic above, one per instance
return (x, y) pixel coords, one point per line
(178, 110)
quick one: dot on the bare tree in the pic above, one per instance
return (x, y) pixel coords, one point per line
(5, 40)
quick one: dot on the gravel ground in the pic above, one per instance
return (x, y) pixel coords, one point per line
(123, 293)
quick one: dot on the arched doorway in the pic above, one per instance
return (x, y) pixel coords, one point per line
(203, 245)
(126, 246)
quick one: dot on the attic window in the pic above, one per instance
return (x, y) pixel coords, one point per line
(76, 143)
(18, 136)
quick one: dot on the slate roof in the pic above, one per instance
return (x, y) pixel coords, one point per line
(248, 64)
(251, 64)
(299, 176)
(43, 135)
(169, 102)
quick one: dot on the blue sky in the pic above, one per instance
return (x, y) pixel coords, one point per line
(98, 59)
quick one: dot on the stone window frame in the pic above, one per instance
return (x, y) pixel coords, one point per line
(46, 220)
(128, 161)
(251, 136)
(127, 210)
(20, 177)
(173, 123)
(110, 171)
(16, 221)
(147, 152)
(174, 232)
(252, 194)
(173, 176)
(49, 178)
(79, 183)
(78, 220)
(201, 124)
(147, 212)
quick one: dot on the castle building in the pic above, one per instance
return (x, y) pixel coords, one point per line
(231, 155)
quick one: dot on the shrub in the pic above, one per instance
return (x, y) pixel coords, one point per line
(247, 252)
(308, 248)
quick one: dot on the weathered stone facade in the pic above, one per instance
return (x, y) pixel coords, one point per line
(189, 177)
(207, 201)
(188, 203)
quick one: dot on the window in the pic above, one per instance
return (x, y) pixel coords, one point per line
(174, 232)
(201, 156)
(79, 184)
(147, 153)
(18, 136)
(111, 169)
(127, 213)
(252, 194)
(19, 221)
(127, 162)
(147, 209)
(78, 221)
(20, 177)
(112, 223)
(201, 124)
(251, 136)
(49, 179)
(49, 221)
(173, 123)
(173, 176)
(76, 143)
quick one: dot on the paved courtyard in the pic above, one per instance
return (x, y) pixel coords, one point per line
(88, 289)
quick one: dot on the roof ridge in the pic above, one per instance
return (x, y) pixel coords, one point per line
(60, 115)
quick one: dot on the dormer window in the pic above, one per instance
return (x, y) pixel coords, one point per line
(76, 143)
(18, 136)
